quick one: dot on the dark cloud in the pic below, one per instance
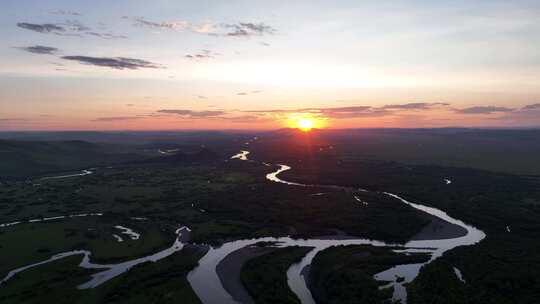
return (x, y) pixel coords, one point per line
(264, 43)
(193, 114)
(116, 118)
(41, 28)
(39, 49)
(414, 106)
(118, 63)
(241, 93)
(483, 110)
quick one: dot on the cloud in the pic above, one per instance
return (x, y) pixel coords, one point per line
(415, 106)
(39, 49)
(64, 12)
(204, 54)
(354, 111)
(246, 29)
(248, 93)
(12, 119)
(241, 29)
(116, 118)
(483, 110)
(528, 115)
(72, 28)
(75, 26)
(336, 112)
(193, 114)
(41, 28)
(203, 28)
(247, 119)
(351, 112)
(532, 107)
(106, 35)
(118, 63)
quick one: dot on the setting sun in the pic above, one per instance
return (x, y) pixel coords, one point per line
(305, 124)
(305, 121)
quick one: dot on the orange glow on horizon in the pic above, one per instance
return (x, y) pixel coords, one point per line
(305, 121)
(305, 124)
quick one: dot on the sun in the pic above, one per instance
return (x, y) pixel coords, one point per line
(305, 121)
(305, 124)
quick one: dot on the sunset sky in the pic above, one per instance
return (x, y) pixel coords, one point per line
(170, 64)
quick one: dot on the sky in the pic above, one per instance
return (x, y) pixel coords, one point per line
(171, 64)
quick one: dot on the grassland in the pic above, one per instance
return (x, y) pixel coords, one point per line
(265, 277)
(160, 282)
(224, 200)
(344, 274)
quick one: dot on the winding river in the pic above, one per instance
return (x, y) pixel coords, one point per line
(109, 271)
(207, 284)
(83, 173)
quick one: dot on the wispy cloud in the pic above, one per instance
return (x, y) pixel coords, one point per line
(39, 49)
(193, 114)
(75, 26)
(106, 35)
(354, 111)
(12, 119)
(241, 29)
(415, 106)
(119, 63)
(248, 93)
(532, 107)
(41, 28)
(247, 119)
(181, 25)
(65, 12)
(483, 110)
(71, 28)
(203, 54)
(527, 115)
(116, 118)
(246, 29)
